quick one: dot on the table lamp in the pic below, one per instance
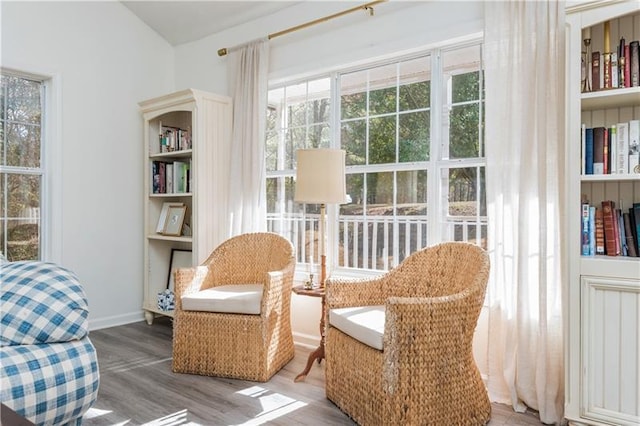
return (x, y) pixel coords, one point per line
(320, 179)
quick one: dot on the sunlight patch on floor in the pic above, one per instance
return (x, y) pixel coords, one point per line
(95, 412)
(130, 364)
(273, 405)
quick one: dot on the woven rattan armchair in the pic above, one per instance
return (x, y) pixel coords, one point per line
(425, 372)
(225, 344)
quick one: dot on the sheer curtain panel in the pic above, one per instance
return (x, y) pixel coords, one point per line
(248, 66)
(525, 151)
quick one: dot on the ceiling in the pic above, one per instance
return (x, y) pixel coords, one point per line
(180, 22)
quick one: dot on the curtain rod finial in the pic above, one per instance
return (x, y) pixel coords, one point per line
(222, 52)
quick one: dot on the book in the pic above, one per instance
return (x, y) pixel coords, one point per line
(634, 146)
(636, 219)
(611, 237)
(586, 238)
(599, 225)
(627, 66)
(592, 230)
(598, 150)
(606, 68)
(595, 71)
(622, 237)
(615, 76)
(634, 59)
(634, 233)
(588, 151)
(606, 157)
(631, 245)
(622, 150)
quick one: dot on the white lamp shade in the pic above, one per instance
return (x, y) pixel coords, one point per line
(320, 176)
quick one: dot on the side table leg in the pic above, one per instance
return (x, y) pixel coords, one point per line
(317, 354)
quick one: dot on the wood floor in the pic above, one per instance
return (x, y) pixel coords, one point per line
(137, 387)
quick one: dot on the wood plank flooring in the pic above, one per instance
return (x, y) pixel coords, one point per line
(137, 387)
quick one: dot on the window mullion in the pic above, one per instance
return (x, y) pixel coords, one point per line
(434, 196)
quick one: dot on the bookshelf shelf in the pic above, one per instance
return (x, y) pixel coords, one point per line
(601, 305)
(611, 178)
(611, 98)
(185, 138)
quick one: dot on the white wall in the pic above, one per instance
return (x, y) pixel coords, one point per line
(103, 61)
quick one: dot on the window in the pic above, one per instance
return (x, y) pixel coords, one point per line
(21, 171)
(412, 130)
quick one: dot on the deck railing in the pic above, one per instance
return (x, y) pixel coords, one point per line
(374, 242)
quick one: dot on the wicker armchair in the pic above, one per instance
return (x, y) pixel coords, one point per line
(237, 345)
(424, 372)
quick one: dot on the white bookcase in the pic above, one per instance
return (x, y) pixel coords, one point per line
(602, 304)
(204, 121)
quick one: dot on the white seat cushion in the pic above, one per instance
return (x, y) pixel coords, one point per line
(363, 323)
(233, 299)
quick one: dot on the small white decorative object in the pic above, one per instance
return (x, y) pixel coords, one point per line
(166, 300)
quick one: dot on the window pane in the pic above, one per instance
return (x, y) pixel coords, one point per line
(414, 137)
(412, 192)
(465, 87)
(22, 100)
(353, 139)
(21, 210)
(380, 193)
(355, 193)
(467, 205)
(415, 84)
(382, 140)
(353, 98)
(464, 137)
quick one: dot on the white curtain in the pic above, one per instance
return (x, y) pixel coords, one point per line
(248, 76)
(524, 63)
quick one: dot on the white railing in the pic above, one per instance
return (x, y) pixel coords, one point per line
(374, 242)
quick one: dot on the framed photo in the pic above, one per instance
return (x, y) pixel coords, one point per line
(162, 219)
(175, 219)
(179, 259)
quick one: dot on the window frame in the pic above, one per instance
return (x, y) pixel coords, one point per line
(50, 154)
(434, 166)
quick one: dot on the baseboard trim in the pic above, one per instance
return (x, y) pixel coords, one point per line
(306, 340)
(116, 320)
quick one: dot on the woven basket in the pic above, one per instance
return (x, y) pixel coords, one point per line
(426, 373)
(249, 347)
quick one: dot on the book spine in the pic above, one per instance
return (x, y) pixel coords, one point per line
(627, 66)
(634, 52)
(615, 76)
(634, 146)
(621, 63)
(634, 233)
(631, 246)
(598, 150)
(607, 70)
(586, 237)
(612, 247)
(622, 143)
(606, 158)
(622, 240)
(636, 219)
(595, 71)
(588, 151)
(599, 224)
(155, 177)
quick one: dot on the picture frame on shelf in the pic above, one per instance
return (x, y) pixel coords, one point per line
(162, 219)
(179, 259)
(174, 221)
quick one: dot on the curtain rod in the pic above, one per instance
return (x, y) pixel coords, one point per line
(366, 6)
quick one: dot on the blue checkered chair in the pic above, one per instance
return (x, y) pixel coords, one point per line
(48, 366)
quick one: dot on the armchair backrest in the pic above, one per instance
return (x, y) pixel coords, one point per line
(248, 257)
(440, 270)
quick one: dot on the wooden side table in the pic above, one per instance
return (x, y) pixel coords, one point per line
(319, 352)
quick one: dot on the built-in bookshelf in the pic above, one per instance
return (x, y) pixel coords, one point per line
(186, 138)
(603, 184)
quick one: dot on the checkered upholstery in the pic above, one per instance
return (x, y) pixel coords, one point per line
(48, 365)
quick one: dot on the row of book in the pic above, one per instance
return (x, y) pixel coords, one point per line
(174, 139)
(611, 150)
(609, 231)
(612, 70)
(170, 177)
